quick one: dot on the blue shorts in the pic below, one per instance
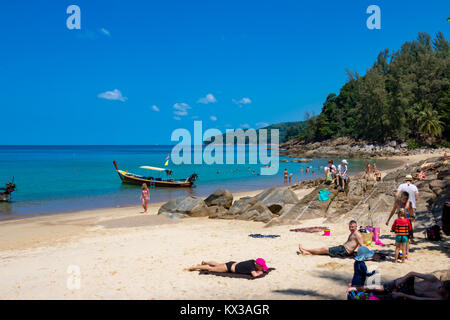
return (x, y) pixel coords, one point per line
(401, 239)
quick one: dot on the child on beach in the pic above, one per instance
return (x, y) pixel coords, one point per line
(145, 196)
(402, 228)
(360, 269)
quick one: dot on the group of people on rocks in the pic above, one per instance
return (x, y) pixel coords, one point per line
(339, 175)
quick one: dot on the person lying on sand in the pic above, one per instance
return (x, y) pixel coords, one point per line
(252, 267)
(429, 288)
(342, 251)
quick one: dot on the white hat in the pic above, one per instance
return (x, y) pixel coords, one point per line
(344, 161)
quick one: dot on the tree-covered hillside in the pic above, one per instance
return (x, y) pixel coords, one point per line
(404, 95)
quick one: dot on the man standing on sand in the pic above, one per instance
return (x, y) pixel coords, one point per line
(285, 176)
(413, 192)
(342, 251)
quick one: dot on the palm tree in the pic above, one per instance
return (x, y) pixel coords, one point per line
(429, 123)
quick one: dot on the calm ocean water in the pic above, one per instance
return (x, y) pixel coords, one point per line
(53, 179)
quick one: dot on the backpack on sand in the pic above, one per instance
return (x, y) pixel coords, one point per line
(434, 233)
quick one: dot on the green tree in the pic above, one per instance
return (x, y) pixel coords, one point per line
(429, 122)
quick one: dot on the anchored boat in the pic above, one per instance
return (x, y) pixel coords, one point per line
(5, 196)
(132, 178)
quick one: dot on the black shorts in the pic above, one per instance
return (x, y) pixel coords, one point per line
(229, 264)
(338, 252)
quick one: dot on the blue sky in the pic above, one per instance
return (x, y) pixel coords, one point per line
(228, 63)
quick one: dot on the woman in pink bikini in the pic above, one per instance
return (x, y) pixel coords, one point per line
(145, 196)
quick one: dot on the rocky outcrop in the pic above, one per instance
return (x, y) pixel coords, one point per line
(369, 202)
(184, 207)
(262, 207)
(366, 201)
(247, 208)
(347, 147)
(221, 198)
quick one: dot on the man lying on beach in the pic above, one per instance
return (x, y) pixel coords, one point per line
(251, 267)
(342, 251)
(429, 288)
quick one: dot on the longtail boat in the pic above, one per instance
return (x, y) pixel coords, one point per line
(5, 196)
(132, 178)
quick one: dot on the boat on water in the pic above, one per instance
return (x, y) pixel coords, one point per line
(132, 178)
(5, 195)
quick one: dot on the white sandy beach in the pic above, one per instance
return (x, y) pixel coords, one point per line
(124, 254)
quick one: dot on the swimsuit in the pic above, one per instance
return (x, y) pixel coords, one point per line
(145, 195)
(229, 264)
(338, 252)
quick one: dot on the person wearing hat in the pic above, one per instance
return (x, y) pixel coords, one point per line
(360, 269)
(254, 268)
(342, 174)
(413, 192)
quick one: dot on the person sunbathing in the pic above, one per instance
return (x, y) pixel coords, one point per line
(254, 268)
(428, 288)
(342, 251)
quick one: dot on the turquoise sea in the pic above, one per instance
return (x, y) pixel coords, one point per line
(53, 179)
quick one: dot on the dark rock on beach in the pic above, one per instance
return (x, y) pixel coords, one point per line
(184, 207)
(220, 197)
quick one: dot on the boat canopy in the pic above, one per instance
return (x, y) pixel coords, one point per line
(153, 168)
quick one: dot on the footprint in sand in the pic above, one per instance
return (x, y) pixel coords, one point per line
(331, 265)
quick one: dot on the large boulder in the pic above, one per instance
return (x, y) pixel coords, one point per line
(256, 212)
(277, 198)
(217, 212)
(247, 208)
(184, 207)
(221, 198)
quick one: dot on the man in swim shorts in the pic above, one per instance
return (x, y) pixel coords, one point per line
(341, 251)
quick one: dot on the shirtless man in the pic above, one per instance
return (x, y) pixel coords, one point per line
(429, 288)
(342, 251)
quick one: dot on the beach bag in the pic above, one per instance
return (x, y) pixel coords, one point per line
(434, 233)
(324, 195)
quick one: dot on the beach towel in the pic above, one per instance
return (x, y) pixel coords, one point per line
(324, 195)
(236, 275)
(309, 229)
(258, 235)
(377, 257)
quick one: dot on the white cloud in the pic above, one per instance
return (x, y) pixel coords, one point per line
(242, 101)
(105, 32)
(181, 109)
(209, 98)
(176, 118)
(213, 118)
(262, 124)
(112, 95)
(245, 125)
(155, 108)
